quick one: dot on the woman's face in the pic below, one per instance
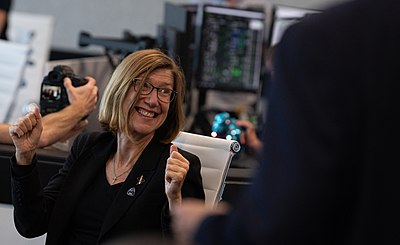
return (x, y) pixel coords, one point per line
(149, 113)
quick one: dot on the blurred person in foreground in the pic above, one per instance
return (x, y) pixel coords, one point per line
(66, 123)
(125, 181)
(330, 166)
(5, 6)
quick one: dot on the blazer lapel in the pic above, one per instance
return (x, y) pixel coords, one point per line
(135, 184)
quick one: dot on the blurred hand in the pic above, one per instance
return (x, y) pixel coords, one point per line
(25, 135)
(83, 97)
(188, 217)
(175, 173)
(249, 136)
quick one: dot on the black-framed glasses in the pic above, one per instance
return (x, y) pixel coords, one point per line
(163, 94)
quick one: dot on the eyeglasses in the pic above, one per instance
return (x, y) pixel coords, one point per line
(163, 94)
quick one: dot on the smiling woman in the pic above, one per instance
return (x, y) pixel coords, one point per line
(128, 173)
(149, 112)
(146, 65)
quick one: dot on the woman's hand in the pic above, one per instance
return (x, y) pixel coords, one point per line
(175, 173)
(25, 135)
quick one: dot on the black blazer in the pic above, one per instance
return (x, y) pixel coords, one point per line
(49, 210)
(330, 168)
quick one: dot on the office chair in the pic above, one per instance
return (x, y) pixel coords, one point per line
(215, 155)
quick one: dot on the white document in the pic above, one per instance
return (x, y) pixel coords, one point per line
(36, 31)
(13, 58)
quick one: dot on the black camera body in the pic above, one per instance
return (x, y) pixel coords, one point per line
(53, 95)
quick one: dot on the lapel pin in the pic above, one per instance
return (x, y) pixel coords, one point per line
(140, 180)
(131, 192)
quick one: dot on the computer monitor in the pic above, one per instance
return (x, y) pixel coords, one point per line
(177, 37)
(284, 16)
(230, 49)
(178, 33)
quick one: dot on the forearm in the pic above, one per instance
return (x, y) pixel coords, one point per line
(174, 203)
(5, 137)
(27, 197)
(3, 17)
(57, 126)
(256, 144)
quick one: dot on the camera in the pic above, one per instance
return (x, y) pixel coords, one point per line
(53, 95)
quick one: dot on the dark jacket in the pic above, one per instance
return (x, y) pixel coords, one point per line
(49, 210)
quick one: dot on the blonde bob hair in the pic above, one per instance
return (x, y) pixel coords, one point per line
(141, 63)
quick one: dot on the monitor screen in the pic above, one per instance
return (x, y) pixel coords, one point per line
(230, 50)
(179, 35)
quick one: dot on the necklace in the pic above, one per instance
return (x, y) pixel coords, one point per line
(119, 175)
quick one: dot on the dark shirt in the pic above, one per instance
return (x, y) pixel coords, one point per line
(5, 5)
(92, 209)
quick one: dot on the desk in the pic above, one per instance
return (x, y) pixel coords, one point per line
(50, 161)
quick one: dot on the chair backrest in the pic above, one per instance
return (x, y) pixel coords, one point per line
(215, 155)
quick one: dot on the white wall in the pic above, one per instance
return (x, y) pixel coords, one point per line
(109, 18)
(102, 18)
